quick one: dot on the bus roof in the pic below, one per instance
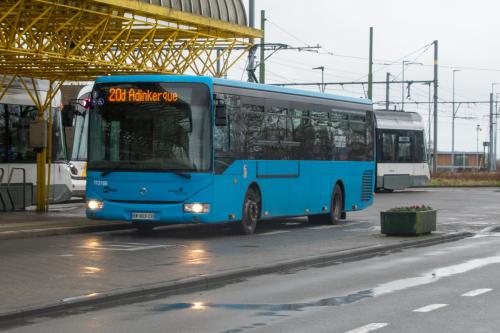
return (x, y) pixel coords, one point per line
(230, 83)
(399, 120)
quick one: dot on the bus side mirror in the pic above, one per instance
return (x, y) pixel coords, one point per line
(220, 112)
(68, 112)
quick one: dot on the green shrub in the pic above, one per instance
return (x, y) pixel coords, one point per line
(411, 209)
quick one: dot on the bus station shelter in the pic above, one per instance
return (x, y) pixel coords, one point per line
(78, 40)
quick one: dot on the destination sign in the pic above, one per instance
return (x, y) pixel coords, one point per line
(120, 95)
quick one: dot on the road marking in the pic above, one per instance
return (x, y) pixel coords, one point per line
(322, 227)
(477, 292)
(124, 246)
(430, 308)
(78, 298)
(274, 233)
(368, 328)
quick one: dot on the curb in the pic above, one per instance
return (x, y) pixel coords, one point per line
(148, 292)
(58, 231)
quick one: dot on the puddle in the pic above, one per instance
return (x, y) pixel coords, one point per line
(382, 289)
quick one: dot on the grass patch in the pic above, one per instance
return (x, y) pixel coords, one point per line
(466, 179)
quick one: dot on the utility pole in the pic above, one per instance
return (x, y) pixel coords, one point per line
(262, 64)
(387, 79)
(370, 67)
(429, 125)
(436, 53)
(491, 160)
(322, 68)
(218, 62)
(251, 52)
(478, 128)
(453, 114)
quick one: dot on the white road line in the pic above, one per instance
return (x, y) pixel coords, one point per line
(368, 328)
(78, 298)
(274, 233)
(430, 308)
(477, 292)
(321, 227)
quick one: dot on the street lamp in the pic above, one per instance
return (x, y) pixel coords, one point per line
(322, 68)
(453, 114)
(478, 129)
(405, 63)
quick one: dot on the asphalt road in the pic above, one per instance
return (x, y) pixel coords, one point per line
(45, 270)
(445, 288)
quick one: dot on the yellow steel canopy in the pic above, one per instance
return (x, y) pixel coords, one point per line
(73, 40)
(77, 40)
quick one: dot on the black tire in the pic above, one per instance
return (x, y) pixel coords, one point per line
(251, 212)
(336, 210)
(337, 205)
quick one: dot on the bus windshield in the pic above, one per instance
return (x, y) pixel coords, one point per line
(400, 146)
(150, 126)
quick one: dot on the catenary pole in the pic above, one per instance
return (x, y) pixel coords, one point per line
(251, 53)
(262, 65)
(436, 53)
(490, 146)
(387, 78)
(370, 67)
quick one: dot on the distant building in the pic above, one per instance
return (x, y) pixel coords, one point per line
(464, 161)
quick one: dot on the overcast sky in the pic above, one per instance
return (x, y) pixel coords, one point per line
(403, 30)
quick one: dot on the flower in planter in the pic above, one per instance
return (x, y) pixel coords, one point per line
(413, 208)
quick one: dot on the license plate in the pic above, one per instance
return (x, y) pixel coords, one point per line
(143, 216)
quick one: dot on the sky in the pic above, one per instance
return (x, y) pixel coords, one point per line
(403, 30)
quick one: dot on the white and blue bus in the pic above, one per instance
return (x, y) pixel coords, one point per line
(183, 149)
(401, 154)
(18, 167)
(78, 160)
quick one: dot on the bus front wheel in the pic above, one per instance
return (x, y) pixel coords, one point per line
(251, 212)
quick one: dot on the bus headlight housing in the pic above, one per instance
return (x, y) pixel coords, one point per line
(196, 208)
(95, 204)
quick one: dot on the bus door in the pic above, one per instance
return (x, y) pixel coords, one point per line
(277, 171)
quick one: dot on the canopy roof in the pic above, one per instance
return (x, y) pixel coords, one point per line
(225, 10)
(81, 39)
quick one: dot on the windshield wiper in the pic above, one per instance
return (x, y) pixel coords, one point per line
(182, 174)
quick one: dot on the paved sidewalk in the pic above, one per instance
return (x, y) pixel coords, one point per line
(60, 220)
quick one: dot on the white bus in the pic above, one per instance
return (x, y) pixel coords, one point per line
(17, 110)
(78, 160)
(401, 155)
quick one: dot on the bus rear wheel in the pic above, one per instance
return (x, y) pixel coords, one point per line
(251, 212)
(336, 207)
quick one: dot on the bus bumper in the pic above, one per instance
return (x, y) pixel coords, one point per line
(148, 213)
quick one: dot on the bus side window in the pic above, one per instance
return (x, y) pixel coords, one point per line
(224, 155)
(247, 131)
(303, 134)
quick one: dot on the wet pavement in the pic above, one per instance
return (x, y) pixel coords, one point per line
(59, 269)
(399, 290)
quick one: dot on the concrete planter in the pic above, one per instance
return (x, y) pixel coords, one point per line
(408, 223)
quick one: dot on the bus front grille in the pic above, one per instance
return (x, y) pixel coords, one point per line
(366, 186)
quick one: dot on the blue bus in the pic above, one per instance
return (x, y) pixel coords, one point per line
(184, 149)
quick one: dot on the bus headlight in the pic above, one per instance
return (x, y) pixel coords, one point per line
(95, 204)
(196, 208)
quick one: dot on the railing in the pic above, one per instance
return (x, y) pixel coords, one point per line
(24, 188)
(4, 206)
